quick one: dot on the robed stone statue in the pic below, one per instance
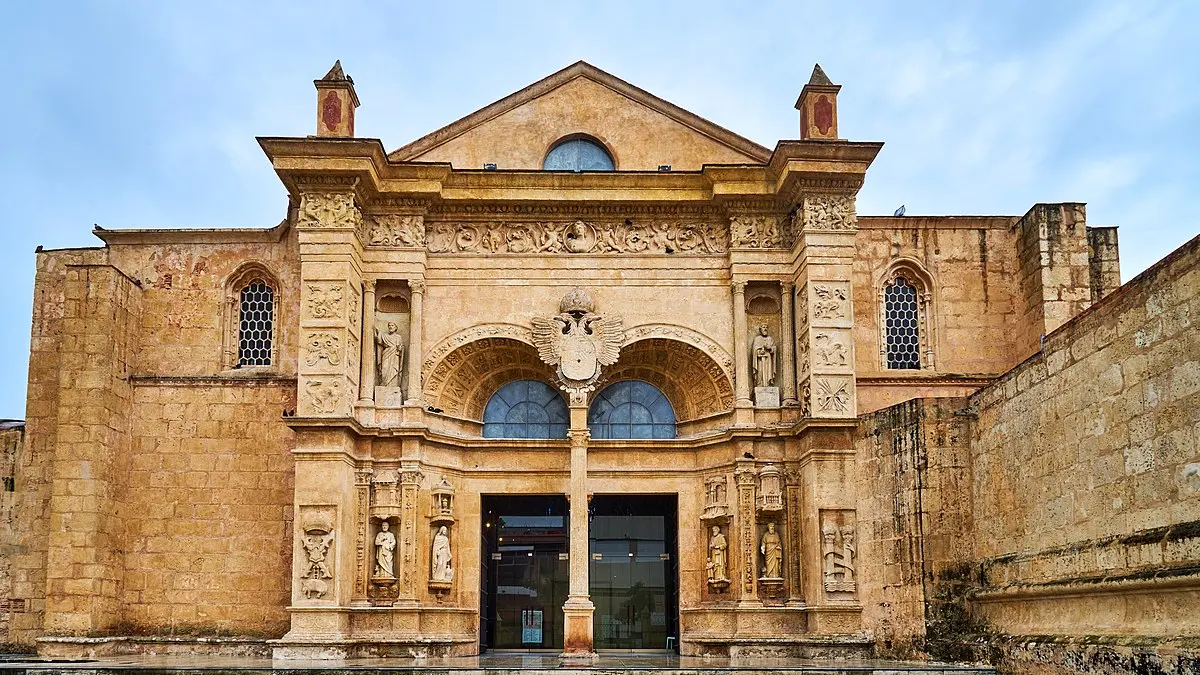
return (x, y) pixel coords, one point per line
(391, 354)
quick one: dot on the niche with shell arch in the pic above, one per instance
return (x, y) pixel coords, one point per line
(250, 337)
(392, 307)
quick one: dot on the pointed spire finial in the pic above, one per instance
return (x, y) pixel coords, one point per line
(336, 102)
(818, 76)
(335, 74)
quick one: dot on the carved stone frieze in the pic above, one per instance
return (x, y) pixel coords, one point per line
(755, 232)
(683, 334)
(831, 302)
(472, 334)
(322, 345)
(328, 210)
(839, 551)
(578, 236)
(832, 396)
(829, 212)
(831, 348)
(325, 300)
(399, 231)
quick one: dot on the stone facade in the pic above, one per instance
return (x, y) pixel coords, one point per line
(222, 422)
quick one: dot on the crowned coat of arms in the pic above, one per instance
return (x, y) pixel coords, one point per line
(578, 341)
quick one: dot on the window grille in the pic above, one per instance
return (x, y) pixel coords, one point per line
(525, 409)
(902, 325)
(256, 324)
(631, 409)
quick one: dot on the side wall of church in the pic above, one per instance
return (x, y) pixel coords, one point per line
(914, 509)
(1087, 466)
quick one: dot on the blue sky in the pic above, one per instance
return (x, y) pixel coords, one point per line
(143, 114)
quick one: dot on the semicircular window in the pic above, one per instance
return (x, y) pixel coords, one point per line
(525, 409)
(578, 154)
(631, 409)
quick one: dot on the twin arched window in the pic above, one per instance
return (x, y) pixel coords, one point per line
(532, 409)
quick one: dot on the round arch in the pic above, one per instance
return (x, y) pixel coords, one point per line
(691, 380)
(462, 381)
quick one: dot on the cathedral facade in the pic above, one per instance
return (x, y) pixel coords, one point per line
(579, 371)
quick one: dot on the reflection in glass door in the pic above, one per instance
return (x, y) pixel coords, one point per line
(526, 571)
(632, 541)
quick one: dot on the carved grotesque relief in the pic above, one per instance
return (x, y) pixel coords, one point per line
(322, 345)
(829, 212)
(389, 355)
(324, 396)
(830, 349)
(397, 231)
(578, 237)
(325, 300)
(328, 209)
(839, 550)
(578, 341)
(755, 232)
(718, 561)
(832, 395)
(316, 538)
(831, 301)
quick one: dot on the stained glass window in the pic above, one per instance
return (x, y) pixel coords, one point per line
(578, 154)
(256, 324)
(902, 325)
(525, 409)
(631, 409)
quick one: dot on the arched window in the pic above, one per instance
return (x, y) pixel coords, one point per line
(578, 154)
(252, 302)
(631, 409)
(906, 341)
(525, 409)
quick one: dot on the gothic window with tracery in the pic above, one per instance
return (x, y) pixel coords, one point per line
(631, 409)
(906, 341)
(252, 305)
(525, 409)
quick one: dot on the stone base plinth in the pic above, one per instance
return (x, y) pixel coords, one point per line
(766, 397)
(94, 647)
(389, 397)
(362, 648)
(577, 623)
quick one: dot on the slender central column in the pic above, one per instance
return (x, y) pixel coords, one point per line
(741, 347)
(789, 347)
(366, 375)
(578, 643)
(415, 336)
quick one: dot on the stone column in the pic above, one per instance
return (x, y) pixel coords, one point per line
(789, 346)
(741, 347)
(416, 324)
(578, 642)
(363, 547)
(366, 394)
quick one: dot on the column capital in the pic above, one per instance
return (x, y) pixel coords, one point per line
(739, 287)
(579, 437)
(788, 286)
(368, 285)
(417, 285)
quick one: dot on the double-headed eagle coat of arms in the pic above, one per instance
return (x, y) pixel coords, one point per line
(578, 341)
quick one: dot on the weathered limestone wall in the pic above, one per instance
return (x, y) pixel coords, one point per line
(1086, 493)
(12, 442)
(914, 473)
(208, 514)
(1105, 263)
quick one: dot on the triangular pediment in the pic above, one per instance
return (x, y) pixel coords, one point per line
(640, 130)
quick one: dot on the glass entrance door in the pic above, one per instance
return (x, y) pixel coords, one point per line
(633, 571)
(525, 571)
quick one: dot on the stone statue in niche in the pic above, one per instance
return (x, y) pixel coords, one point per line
(771, 548)
(442, 569)
(385, 552)
(839, 561)
(763, 350)
(718, 560)
(391, 355)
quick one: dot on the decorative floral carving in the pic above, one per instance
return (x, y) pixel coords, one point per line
(578, 237)
(755, 232)
(353, 308)
(328, 210)
(694, 338)
(829, 212)
(831, 302)
(325, 300)
(325, 397)
(502, 330)
(322, 345)
(397, 231)
(833, 394)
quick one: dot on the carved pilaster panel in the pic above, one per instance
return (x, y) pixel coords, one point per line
(316, 557)
(410, 485)
(830, 303)
(832, 350)
(323, 396)
(328, 210)
(795, 540)
(396, 231)
(362, 505)
(746, 478)
(833, 396)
